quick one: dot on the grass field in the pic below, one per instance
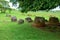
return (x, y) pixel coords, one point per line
(13, 31)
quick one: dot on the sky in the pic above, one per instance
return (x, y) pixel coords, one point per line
(11, 6)
(56, 9)
(7, 0)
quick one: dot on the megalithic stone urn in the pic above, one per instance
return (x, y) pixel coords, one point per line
(39, 22)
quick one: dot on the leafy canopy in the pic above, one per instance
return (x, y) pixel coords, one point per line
(35, 5)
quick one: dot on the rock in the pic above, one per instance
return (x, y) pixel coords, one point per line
(20, 21)
(58, 28)
(28, 19)
(8, 15)
(59, 24)
(39, 22)
(53, 21)
(13, 19)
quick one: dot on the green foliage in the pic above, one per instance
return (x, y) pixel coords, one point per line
(4, 5)
(13, 1)
(35, 5)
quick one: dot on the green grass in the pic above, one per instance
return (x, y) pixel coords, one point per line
(13, 31)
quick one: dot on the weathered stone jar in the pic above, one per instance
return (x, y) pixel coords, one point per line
(20, 21)
(39, 22)
(28, 19)
(13, 18)
(8, 15)
(53, 21)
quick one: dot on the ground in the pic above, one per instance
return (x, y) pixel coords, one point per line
(13, 31)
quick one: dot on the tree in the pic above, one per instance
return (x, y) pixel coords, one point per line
(1, 5)
(4, 5)
(35, 5)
